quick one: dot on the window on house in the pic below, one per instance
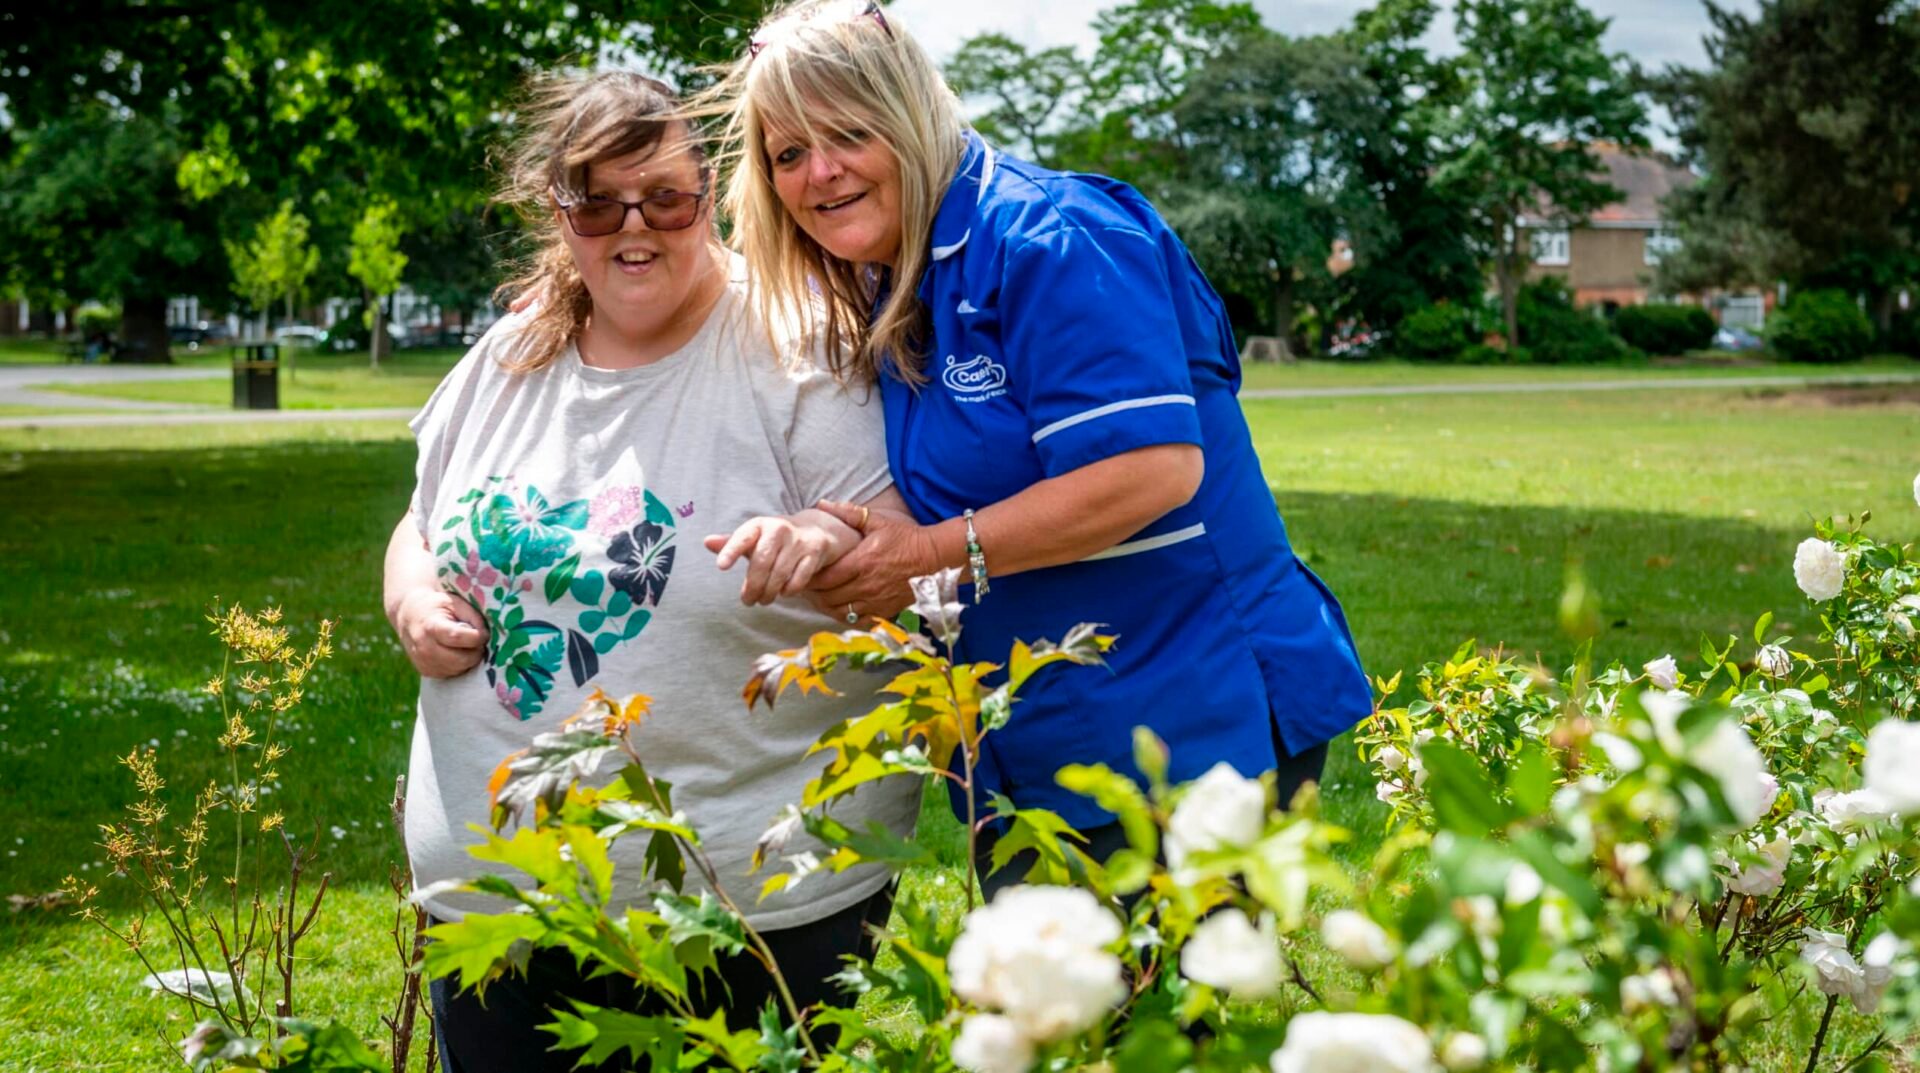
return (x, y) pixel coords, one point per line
(1552, 247)
(1660, 243)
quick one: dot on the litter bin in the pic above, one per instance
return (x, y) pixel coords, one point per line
(256, 376)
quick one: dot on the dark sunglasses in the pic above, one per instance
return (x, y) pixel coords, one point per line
(756, 45)
(675, 210)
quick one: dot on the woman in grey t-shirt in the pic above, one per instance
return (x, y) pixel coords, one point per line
(564, 466)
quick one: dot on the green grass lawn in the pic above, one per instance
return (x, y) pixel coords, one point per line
(1323, 374)
(315, 381)
(1434, 518)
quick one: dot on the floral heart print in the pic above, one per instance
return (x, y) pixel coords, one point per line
(514, 551)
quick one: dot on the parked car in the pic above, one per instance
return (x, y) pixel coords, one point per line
(1736, 339)
(300, 335)
(188, 336)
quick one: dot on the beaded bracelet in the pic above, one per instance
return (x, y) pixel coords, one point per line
(976, 560)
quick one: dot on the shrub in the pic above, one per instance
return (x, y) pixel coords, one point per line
(1665, 329)
(1556, 333)
(1820, 326)
(1434, 333)
(1488, 354)
(94, 317)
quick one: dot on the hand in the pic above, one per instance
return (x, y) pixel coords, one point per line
(526, 300)
(873, 577)
(442, 635)
(783, 554)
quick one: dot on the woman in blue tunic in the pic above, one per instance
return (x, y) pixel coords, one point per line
(1059, 383)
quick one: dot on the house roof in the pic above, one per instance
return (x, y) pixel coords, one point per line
(1644, 176)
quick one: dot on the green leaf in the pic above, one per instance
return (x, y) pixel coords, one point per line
(781, 1043)
(1150, 755)
(741, 1050)
(588, 586)
(605, 643)
(605, 1033)
(560, 578)
(1153, 1047)
(480, 948)
(1047, 835)
(701, 917)
(1760, 628)
(1462, 797)
(1119, 795)
(635, 624)
(619, 604)
(591, 621)
(1530, 779)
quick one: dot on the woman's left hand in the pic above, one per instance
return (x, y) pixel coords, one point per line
(872, 578)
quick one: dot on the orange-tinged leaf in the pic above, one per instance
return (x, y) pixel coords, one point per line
(498, 780)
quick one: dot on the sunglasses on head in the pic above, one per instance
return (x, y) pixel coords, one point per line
(675, 210)
(757, 45)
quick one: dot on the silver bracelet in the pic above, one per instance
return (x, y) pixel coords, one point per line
(976, 560)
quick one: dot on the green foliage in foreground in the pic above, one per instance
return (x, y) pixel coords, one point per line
(1432, 517)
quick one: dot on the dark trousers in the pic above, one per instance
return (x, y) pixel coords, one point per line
(502, 1037)
(1291, 773)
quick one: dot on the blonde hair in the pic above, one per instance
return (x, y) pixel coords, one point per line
(569, 122)
(821, 68)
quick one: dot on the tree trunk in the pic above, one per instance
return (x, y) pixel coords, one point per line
(377, 346)
(1506, 269)
(1880, 305)
(143, 330)
(1283, 311)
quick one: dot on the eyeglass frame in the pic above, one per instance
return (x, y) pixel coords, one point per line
(566, 208)
(755, 45)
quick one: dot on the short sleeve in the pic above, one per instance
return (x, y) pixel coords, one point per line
(436, 427)
(837, 442)
(1094, 347)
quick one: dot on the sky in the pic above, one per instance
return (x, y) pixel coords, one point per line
(1654, 33)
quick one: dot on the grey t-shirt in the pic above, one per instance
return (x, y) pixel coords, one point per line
(569, 504)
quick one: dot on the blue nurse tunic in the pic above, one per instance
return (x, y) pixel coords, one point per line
(1069, 325)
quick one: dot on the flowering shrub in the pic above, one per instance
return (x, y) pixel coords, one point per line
(1622, 868)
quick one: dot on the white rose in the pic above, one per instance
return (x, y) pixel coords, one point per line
(1663, 673)
(1762, 878)
(1851, 811)
(1227, 952)
(1893, 756)
(1824, 723)
(1037, 955)
(1836, 971)
(1916, 490)
(1649, 989)
(1357, 938)
(1523, 885)
(1729, 756)
(1819, 569)
(1463, 1051)
(1351, 1043)
(990, 1043)
(1390, 758)
(1384, 791)
(1773, 661)
(1222, 808)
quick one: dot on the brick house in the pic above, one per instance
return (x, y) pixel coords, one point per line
(1610, 259)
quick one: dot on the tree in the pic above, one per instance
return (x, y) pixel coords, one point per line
(1268, 129)
(1411, 250)
(1537, 90)
(1805, 125)
(89, 208)
(376, 261)
(1027, 91)
(276, 263)
(324, 101)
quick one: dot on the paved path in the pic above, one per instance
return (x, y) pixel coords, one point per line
(13, 377)
(1552, 387)
(205, 416)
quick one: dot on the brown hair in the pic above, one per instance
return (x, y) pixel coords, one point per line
(567, 123)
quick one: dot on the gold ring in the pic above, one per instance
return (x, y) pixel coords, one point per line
(852, 616)
(866, 515)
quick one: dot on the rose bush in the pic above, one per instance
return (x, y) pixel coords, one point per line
(1602, 869)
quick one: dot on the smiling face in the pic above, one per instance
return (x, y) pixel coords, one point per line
(639, 276)
(842, 188)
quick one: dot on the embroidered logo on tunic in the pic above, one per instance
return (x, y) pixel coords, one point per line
(977, 380)
(965, 307)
